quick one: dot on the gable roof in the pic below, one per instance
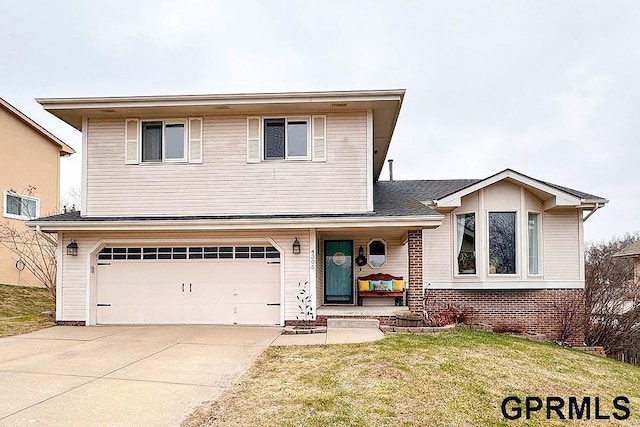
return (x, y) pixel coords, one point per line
(65, 150)
(552, 194)
(630, 250)
(384, 106)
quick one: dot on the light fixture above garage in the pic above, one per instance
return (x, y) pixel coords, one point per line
(72, 248)
(296, 246)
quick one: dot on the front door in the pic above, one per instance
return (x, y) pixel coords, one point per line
(338, 271)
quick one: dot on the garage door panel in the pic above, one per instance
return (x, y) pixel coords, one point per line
(220, 291)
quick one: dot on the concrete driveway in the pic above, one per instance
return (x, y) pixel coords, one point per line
(121, 375)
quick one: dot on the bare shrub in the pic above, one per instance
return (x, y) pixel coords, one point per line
(612, 297)
(36, 250)
(449, 314)
(570, 316)
(509, 327)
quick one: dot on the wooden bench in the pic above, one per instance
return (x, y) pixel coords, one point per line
(379, 294)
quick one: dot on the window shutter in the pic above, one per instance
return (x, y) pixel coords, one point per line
(131, 146)
(253, 140)
(195, 140)
(319, 130)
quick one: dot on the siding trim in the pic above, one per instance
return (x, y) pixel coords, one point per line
(59, 287)
(84, 202)
(370, 160)
(313, 261)
(501, 285)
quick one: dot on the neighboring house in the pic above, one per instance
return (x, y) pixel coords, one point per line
(631, 296)
(223, 208)
(632, 251)
(29, 180)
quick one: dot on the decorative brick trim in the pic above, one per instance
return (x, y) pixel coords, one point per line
(70, 323)
(414, 293)
(533, 309)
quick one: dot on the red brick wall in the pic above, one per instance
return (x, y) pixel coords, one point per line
(534, 309)
(322, 320)
(414, 293)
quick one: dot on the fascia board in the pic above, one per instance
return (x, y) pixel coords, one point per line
(431, 221)
(560, 198)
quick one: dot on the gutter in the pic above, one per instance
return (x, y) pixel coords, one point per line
(430, 221)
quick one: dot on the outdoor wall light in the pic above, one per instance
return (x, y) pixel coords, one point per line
(72, 248)
(296, 246)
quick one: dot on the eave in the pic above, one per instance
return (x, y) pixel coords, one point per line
(406, 222)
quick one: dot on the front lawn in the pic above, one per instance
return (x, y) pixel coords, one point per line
(451, 379)
(22, 308)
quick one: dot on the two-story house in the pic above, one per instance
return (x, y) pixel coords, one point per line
(225, 208)
(29, 181)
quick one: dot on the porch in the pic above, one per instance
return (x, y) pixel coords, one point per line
(385, 315)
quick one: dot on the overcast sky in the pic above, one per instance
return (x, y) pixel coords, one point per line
(547, 88)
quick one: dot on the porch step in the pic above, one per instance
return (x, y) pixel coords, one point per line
(353, 323)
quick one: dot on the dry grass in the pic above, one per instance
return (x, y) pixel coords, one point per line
(452, 379)
(22, 308)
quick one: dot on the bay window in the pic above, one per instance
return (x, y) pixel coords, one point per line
(502, 243)
(533, 228)
(466, 243)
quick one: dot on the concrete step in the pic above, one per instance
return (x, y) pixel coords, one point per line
(353, 323)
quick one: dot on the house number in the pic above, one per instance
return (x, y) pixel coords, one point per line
(312, 259)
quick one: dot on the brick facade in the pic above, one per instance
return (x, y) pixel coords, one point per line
(535, 310)
(414, 293)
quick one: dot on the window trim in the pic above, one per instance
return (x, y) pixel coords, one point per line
(287, 119)
(517, 244)
(540, 248)
(456, 272)
(185, 143)
(386, 252)
(22, 196)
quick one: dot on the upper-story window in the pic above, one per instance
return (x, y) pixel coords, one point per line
(287, 138)
(466, 243)
(164, 141)
(502, 243)
(17, 206)
(157, 141)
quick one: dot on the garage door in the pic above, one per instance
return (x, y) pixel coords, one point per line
(198, 285)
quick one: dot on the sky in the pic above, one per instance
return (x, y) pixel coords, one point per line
(547, 88)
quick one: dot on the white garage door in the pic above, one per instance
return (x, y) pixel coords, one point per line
(198, 285)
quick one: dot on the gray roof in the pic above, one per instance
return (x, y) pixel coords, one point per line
(391, 198)
(630, 250)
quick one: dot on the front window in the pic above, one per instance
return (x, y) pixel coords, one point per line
(20, 207)
(377, 253)
(163, 141)
(502, 242)
(286, 139)
(466, 243)
(534, 242)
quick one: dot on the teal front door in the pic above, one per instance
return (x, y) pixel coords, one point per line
(338, 271)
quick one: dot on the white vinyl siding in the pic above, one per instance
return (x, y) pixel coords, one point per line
(75, 272)
(561, 236)
(224, 183)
